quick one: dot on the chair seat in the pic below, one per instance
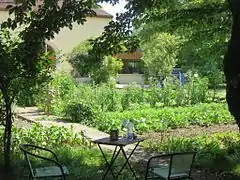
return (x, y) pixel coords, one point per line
(50, 171)
(163, 172)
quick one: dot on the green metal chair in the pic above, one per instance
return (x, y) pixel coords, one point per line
(33, 152)
(170, 166)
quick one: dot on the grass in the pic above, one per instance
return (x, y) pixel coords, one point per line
(220, 93)
(82, 162)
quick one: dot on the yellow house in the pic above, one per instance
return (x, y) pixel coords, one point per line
(67, 39)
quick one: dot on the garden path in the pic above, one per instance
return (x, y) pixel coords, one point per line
(33, 115)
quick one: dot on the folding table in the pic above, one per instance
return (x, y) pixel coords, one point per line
(121, 143)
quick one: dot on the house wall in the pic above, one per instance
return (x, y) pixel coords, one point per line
(3, 15)
(67, 39)
(130, 78)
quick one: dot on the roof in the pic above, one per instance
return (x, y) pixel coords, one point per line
(130, 56)
(100, 12)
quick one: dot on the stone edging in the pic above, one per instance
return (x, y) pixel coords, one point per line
(25, 119)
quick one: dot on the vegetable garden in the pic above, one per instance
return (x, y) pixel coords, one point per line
(171, 34)
(157, 114)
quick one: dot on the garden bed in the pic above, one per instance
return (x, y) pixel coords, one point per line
(192, 131)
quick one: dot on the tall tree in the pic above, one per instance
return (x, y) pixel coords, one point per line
(23, 62)
(232, 63)
(160, 54)
(205, 39)
(196, 12)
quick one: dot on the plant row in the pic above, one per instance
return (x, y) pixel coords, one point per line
(50, 137)
(62, 94)
(146, 120)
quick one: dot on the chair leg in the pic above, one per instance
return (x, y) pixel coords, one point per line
(30, 176)
(63, 178)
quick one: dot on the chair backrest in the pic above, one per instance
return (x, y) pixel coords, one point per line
(181, 163)
(172, 164)
(26, 153)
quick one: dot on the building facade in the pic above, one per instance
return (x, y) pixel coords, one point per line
(67, 39)
(132, 68)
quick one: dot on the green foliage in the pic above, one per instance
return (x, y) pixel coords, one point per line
(196, 88)
(216, 151)
(50, 137)
(173, 94)
(51, 93)
(79, 113)
(66, 98)
(204, 27)
(27, 97)
(154, 119)
(73, 150)
(63, 83)
(24, 61)
(100, 69)
(106, 98)
(160, 54)
(107, 70)
(132, 96)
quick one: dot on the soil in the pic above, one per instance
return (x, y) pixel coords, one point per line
(192, 131)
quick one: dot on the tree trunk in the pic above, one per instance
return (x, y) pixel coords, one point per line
(8, 127)
(7, 136)
(232, 63)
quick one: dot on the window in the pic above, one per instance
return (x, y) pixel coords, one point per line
(131, 67)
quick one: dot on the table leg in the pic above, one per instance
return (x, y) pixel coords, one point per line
(127, 160)
(114, 157)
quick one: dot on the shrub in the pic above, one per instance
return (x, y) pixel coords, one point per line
(130, 96)
(106, 97)
(27, 97)
(73, 150)
(79, 113)
(50, 137)
(50, 96)
(172, 93)
(197, 88)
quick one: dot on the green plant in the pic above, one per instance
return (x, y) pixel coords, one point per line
(197, 87)
(79, 113)
(24, 61)
(160, 52)
(174, 117)
(27, 97)
(168, 92)
(84, 64)
(212, 151)
(51, 94)
(131, 96)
